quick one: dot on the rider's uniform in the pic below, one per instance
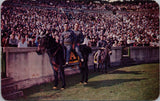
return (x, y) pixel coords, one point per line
(79, 38)
(67, 39)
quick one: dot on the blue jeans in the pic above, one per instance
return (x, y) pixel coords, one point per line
(68, 51)
(78, 51)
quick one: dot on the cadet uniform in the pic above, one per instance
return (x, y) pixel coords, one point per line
(102, 44)
(67, 39)
(79, 38)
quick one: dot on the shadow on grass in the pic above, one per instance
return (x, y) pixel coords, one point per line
(124, 72)
(106, 83)
(72, 80)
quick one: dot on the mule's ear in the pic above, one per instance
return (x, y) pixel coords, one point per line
(48, 35)
(42, 34)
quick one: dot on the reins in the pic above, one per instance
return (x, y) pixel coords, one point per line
(56, 51)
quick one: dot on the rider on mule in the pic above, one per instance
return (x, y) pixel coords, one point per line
(79, 38)
(71, 39)
(101, 44)
(67, 39)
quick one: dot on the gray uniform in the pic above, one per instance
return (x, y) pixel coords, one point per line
(67, 39)
(79, 38)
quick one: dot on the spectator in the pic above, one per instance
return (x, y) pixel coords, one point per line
(32, 42)
(37, 42)
(13, 42)
(115, 44)
(22, 43)
(4, 40)
(86, 40)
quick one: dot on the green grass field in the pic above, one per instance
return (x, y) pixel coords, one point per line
(139, 82)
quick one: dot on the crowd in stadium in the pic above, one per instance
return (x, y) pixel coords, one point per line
(24, 22)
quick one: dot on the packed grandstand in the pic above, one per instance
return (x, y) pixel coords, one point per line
(132, 23)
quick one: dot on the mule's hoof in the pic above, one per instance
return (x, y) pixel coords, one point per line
(62, 88)
(54, 87)
(80, 82)
(85, 83)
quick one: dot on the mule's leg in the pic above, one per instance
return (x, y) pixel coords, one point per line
(98, 67)
(107, 63)
(55, 71)
(94, 67)
(101, 67)
(98, 59)
(62, 77)
(82, 74)
(86, 72)
(106, 67)
(56, 79)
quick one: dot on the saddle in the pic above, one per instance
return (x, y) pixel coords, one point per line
(102, 57)
(74, 59)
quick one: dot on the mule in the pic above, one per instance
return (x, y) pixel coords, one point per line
(56, 55)
(104, 62)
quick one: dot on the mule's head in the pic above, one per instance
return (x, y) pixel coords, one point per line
(43, 44)
(108, 49)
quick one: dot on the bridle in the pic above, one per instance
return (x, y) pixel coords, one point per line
(56, 51)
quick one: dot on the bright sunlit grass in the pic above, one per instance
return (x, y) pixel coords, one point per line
(140, 82)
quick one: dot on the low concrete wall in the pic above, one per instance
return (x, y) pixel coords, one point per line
(144, 54)
(27, 68)
(116, 56)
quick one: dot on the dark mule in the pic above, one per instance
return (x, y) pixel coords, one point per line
(57, 59)
(56, 54)
(85, 50)
(104, 62)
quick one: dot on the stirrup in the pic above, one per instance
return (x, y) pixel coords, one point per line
(54, 87)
